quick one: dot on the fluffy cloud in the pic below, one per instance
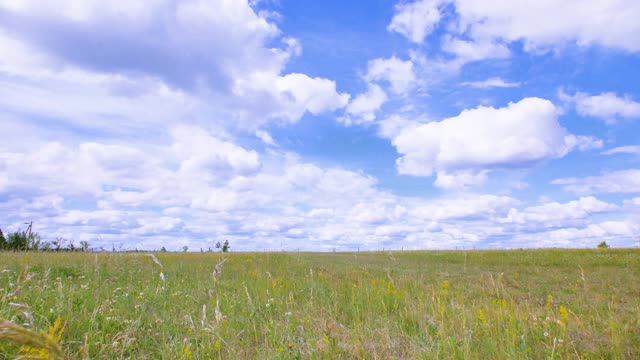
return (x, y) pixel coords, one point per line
(398, 73)
(549, 24)
(146, 124)
(118, 38)
(483, 29)
(607, 106)
(98, 58)
(620, 181)
(557, 214)
(615, 233)
(363, 107)
(417, 19)
(518, 135)
(290, 96)
(464, 207)
(460, 179)
(198, 188)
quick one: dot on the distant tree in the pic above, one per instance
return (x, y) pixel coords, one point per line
(84, 245)
(3, 241)
(58, 243)
(16, 242)
(163, 249)
(23, 240)
(185, 248)
(225, 246)
(218, 245)
(603, 245)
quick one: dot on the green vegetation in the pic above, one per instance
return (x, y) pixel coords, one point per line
(522, 304)
(20, 240)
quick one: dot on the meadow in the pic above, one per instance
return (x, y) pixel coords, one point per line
(518, 304)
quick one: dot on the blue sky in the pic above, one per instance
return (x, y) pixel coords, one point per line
(299, 125)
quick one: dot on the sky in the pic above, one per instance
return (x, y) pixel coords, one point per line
(321, 125)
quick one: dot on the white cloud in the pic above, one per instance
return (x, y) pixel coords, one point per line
(469, 207)
(153, 65)
(135, 132)
(289, 96)
(556, 214)
(615, 233)
(459, 148)
(200, 153)
(394, 124)
(607, 106)
(630, 149)
(550, 24)
(474, 50)
(265, 137)
(398, 73)
(417, 19)
(362, 108)
(460, 179)
(491, 83)
(199, 188)
(620, 181)
(478, 30)
(632, 204)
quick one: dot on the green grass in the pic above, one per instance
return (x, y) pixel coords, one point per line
(520, 304)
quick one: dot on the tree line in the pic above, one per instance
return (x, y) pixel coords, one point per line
(27, 240)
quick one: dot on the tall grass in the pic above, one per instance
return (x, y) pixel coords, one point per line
(465, 305)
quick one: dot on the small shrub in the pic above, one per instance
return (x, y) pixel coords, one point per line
(603, 245)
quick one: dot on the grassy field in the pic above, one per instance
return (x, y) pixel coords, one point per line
(522, 304)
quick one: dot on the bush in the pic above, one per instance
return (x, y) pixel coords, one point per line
(20, 240)
(603, 245)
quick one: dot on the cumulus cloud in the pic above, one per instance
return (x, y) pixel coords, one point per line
(362, 109)
(553, 214)
(484, 29)
(620, 181)
(97, 58)
(199, 187)
(291, 95)
(117, 37)
(137, 121)
(398, 73)
(607, 106)
(460, 148)
(416, 20)
(464, 207)
(615, 233)
(460, 179)
(549, 24)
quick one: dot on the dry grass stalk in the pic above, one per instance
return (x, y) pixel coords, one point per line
(28, 339)
(218, 270)
(155, 260)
